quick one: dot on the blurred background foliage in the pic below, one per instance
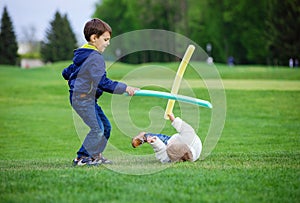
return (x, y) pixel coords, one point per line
(246, 32)
(252, 31)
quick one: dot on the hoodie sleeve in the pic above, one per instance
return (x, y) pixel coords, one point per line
(66, 73)
(186, 132)
(111, 86)
(98, 74)
(181, 126)
(160, 150)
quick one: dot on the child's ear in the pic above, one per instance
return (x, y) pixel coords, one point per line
(93, 38)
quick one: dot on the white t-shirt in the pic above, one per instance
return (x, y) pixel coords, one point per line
(186, 134)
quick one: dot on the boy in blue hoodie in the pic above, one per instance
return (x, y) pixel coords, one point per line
(87, 81)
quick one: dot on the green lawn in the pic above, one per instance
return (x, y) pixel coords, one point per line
(255, 160)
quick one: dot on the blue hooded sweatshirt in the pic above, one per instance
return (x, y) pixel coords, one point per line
(87, 75)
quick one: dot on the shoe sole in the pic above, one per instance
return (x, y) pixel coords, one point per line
(80, 163)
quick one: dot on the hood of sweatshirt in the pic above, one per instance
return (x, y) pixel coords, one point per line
(80, 55)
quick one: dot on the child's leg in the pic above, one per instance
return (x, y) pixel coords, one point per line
(107, 128)
(86, 110)
(82, 152)
(163, 138)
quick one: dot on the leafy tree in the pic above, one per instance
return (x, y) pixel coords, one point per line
(118, 15)
(60, 40)
(234, 28)
(165, 15)
(120, 19)
(250, 31)
(283, 28)
(8, 43)
(197, 28)
(250, 23)
(128, 15)
(213, 28)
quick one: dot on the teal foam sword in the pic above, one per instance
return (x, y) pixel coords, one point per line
(166, 95)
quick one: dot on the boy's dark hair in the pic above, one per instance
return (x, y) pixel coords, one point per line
(95, 26)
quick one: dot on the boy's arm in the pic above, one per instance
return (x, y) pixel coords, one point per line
(186, 131)
(66, 73)
(181, 126)
(160, 150)
(115, 87)
(96, 69)
(111, 86)
(98, 73)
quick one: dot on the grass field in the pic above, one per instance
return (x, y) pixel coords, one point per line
(255, 160)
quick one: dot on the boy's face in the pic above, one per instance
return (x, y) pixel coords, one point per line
(102, 42)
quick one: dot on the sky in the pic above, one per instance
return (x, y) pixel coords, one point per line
(39, 13)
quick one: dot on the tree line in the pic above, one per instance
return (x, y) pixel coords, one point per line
(253, 32)
(248, 31)
(8, 42)
(59, 43)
